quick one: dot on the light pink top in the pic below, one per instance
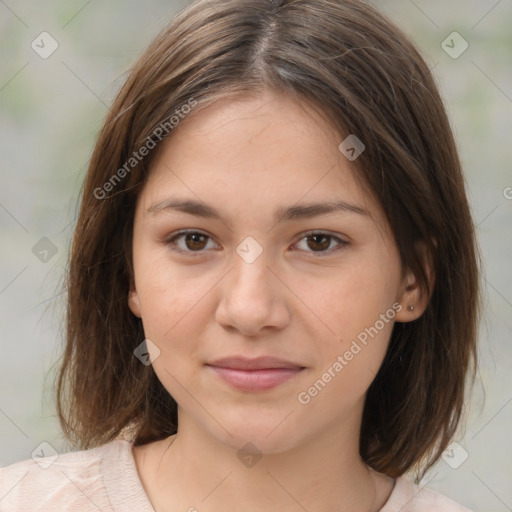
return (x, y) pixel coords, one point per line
(106, 479)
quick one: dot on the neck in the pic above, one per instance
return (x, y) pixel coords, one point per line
(194, 471)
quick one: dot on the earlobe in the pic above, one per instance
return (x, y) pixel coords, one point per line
(414, 298)
(413, 301)
(134, 302)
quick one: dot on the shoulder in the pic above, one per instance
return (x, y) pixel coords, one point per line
(410, 497)
(72, 480)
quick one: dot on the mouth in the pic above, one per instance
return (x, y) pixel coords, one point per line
(260, 374)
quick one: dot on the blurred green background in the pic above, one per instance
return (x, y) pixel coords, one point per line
(52, 108)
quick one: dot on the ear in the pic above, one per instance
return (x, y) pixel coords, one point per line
(413, 298)
(134, 301)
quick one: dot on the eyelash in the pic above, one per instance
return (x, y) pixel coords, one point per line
(171, 242)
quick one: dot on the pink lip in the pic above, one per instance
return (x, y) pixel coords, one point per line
(258, 374)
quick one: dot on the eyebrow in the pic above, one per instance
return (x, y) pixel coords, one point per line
(295, 212)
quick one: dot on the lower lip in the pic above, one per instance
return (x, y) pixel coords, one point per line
(255, 380)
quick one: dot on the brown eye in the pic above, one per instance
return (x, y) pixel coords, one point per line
(319, 242)
(190, 242)
(195, 241)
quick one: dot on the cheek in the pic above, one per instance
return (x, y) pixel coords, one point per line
(172, 305)
(347, 368)
(173, 313)
(353, 296)
(356, 304)
(166, 292)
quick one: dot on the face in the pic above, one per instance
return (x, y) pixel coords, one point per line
(232, 260)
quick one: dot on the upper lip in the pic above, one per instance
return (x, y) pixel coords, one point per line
(258, 363)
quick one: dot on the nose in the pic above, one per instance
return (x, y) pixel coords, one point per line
(253, 299)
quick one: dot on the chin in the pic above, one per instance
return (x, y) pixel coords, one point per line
(268, 434)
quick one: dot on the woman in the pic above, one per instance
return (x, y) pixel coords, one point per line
(272, 291)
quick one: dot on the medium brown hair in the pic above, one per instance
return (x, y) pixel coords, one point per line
(366, 78)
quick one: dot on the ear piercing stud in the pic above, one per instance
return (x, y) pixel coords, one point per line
(410, 307)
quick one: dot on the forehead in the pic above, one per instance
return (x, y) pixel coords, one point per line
(253, 152)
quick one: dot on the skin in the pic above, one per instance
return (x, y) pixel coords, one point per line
(302, 299)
